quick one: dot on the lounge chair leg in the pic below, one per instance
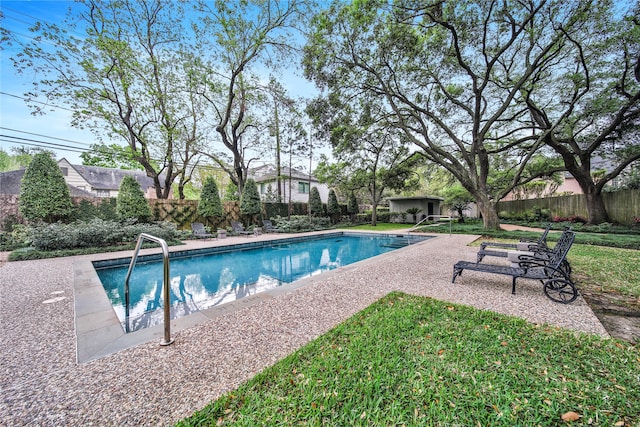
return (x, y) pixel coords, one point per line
(456, 272)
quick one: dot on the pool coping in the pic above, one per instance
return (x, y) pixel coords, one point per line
(99, 332)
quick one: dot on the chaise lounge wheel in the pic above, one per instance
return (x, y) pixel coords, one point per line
(560, 290)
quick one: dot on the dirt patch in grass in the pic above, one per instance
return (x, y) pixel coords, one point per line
(619, 314)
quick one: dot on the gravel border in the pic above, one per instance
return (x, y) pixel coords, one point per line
(42, 384)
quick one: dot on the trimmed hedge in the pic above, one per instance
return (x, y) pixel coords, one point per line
(95, 233)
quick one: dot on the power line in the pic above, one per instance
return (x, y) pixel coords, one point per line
(46, 136)
(19, 140)
(36, 101)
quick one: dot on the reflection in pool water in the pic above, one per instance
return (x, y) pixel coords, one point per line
(201, 281)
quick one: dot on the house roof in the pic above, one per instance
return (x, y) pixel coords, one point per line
(416, 198)
(268, 173)
(109, 179)
(10, 184)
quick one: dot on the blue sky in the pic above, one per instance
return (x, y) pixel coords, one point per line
(16, 120)
(53, 130)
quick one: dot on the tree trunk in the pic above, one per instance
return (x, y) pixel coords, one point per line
(596, 211)
(489, 213)
(374, 214)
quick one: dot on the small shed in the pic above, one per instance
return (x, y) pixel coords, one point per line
(428, 205)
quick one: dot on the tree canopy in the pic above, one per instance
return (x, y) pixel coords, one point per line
(454, 77)
(588, 109)
(122, 77)
(110, 156)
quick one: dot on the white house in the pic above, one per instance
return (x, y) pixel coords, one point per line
(293, 182)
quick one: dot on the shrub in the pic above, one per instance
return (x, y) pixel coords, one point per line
(250, 201)
(44, 195)
(352, 204)
(18, 237)
(107, 209)
(85, 211)
(384, 216)
(573, 219)
(131, 202)
(210, 205)
(396, 217)
(332, 205)
(95, 233)
(315, 202)
(362, 218)
(299, 223)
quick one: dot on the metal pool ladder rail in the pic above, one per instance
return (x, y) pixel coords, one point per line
(165, 284)
(433, 217)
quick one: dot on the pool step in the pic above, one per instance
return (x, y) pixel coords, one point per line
(396, 244)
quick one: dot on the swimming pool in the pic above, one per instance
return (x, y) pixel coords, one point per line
(205, 278)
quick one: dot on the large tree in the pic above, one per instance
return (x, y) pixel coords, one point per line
(369, 154)
(123, 75)
(589, 108)
(110, 156)
(237, 41)
(450, 74)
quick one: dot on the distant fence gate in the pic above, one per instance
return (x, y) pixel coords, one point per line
(622, 206)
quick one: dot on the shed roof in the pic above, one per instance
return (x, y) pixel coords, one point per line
(415, 198)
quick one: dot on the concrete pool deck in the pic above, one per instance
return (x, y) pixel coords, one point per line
(42, 382)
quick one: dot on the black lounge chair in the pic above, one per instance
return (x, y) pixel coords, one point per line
(199, 231)
(523, 245)
(551, 271)
(268, 226)
(238, 229)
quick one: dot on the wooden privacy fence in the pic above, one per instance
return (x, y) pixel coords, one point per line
(184, 212)
(622, 206)
(180, 212)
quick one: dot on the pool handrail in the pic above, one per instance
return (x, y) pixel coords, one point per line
(165, 284)
(433, 217)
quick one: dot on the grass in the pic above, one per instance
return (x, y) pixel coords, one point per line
(604, 269)
(382, 226)
(409, 360)
(627, 241)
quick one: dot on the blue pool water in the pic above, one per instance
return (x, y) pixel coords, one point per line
(204, 278)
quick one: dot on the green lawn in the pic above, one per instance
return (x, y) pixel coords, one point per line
(605, 269)
(382, 226)
(409, 360)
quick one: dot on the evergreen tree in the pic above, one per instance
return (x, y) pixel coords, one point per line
(131, 202)
(352, 204)
(44, 194)
(315, 202)
(250, 200)
(210, 205)
(333, 207)
(231, 192)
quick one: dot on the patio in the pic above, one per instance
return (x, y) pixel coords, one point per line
(43, 384)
